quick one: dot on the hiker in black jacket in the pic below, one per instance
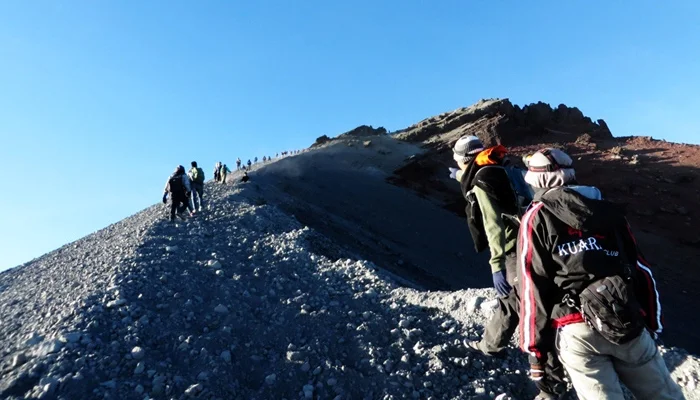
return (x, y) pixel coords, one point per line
(178, 186)
(578, 260)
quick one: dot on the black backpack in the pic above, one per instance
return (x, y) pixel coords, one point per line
(510, 201)
(175, 186)
(609, 304)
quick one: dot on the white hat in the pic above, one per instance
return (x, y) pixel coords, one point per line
(549, 168)
(467, 146)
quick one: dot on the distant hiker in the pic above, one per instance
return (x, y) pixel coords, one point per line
(217, 171)
(178, 186)
(249, 164)
(493, 210)
(255, 160)
(238, 164)
(586, 285)
(264, 159)
(245, 177)
(224, 172)
(277, 155)
(196, 176)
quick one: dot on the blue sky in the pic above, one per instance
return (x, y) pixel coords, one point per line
(100, 100)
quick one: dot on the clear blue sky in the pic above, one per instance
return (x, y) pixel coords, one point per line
(100, 100)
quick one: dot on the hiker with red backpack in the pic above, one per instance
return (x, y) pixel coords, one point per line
(196, 176)
(497, 195)
(178, 187)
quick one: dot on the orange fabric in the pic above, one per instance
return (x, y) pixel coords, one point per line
(491, 156)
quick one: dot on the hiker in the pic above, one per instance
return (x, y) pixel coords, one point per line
(196, 176)
(245, 177)
(238, 164)
(178, 186)
(217, 171)
(587, 290)
(224, 172)
(249, 164)
(497, 195)
(255, 160)
(264, 159)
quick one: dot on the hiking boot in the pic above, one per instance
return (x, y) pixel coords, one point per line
(475, 347)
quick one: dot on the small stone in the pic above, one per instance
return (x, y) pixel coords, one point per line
(489, 305)
(34, 339)
(317, 371)
(193, 390)
(404, 323)
(306, 367)
(221, 309)
(50, 347)
(203, 376)
(474, 303)
(116, 303)
(18, 359)
(140, 367)
(219, 272)
(215, 264)
(270, 379)
(295, 356)
(331, 382)
(139, 389)
(71, 337)
(110, 384)
(226, 356)
(366, 315)
(137, 353)
(171, 249)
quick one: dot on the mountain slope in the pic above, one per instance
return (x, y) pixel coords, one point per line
(307, 282)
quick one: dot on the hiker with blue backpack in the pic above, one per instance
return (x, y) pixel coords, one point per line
(497, 196)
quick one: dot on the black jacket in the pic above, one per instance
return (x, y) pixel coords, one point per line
(566, 242)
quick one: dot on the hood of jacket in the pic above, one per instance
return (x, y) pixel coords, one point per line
(581, 207)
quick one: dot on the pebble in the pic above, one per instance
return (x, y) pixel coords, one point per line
(221, 309)
(137, 353)
(140, 367)
(226, 356)
(18, 359)
(270, 379)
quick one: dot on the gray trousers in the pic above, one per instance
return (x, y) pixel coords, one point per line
(197, 193)
(597, 366)
(502, 325)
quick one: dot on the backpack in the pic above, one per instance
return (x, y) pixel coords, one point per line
(197, 175)
(175, 186)
(609, 305)
(522, 197)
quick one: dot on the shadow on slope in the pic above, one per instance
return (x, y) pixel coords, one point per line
(341, 191)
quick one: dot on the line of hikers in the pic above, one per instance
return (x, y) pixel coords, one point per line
(569, 275)
(186, 190)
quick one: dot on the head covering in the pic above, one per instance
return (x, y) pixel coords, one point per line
(179, 170)
(467, 147)
(549, 168)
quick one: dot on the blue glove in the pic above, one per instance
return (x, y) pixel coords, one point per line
(500, 283)
(453, 173)
(165, 198)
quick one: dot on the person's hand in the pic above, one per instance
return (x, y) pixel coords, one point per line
(453, 172)
(165, 198)
(500, 283)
